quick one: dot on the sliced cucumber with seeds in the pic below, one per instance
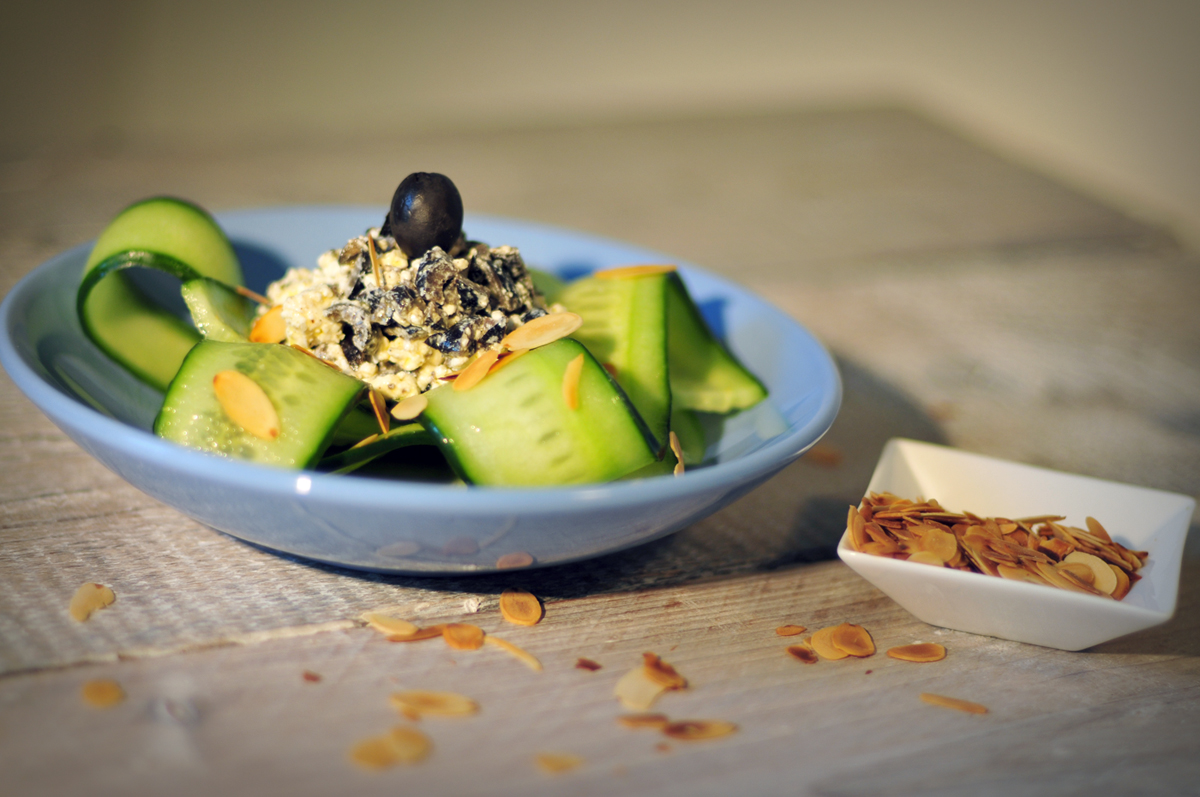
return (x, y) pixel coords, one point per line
(515, 427)
(309, 398)
(166, 234)
(625, 327)
(704, 375)
(218, 311)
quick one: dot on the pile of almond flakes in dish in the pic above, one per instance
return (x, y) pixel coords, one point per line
(1039, 549)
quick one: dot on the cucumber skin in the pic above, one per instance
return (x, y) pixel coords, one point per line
(311, 398)
(217, 311)
(147, 340)
(487, 446)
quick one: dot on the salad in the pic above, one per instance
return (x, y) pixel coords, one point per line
(411, 339)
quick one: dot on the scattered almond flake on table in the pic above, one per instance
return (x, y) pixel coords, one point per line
(646, 720)
(853, 639)
(587, 664)
(463, 636)
(822, 643)
(310, 676)
(102, 693)
(696, 730)
(520, 607)
(438, 704)
(954, 703)
(920, 652)
(521, 654)
(402, 745)
(88, 599)
(790, 630)
(557, 763)
(640, 687)
(803, 653)
(1039, 549)
(429, 632)
(386, 624)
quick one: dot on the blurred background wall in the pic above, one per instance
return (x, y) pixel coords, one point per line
(1104, 95)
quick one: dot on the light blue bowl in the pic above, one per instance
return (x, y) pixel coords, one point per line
(408, 527)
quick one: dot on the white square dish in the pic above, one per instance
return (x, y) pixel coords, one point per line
(1137, 517)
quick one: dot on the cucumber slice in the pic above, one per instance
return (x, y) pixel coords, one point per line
(219, 312)
(410, 434)
(162, 233)
(515, 428)
(625, 327)
(310, 398)
(704, 375)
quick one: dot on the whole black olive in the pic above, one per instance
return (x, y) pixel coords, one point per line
(426, 211)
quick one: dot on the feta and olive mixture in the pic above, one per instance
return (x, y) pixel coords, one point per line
(395, 309)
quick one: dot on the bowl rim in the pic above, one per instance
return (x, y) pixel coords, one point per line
(143, 446)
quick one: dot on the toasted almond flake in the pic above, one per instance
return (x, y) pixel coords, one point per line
(375, 752)
(628, 272)
(662, 673)
(636, 691)
(474, 373)
(430, 632)
(463, 636)
(251, 295)
(1103, 578)
(542, 330)
(941, 544)
(919, 652)
(677, 450)
(853, 639)
(530, 660)
(246, 404)
(520, 607)
(310, 676)
(587, 664)
(379, 407)
(1019, 574)
(857, 527)
(434, 704)
(557, 763)
(696, 730)
(790, 630)
(954, 703)
(269, 327)
(644, 720)
(410, 744)
(410, 407)
(90, 598)
(1097, 530)
(102, 693)
(401, 746)
(803, 653)
(1078, 569)
(1123, 583)
(514, 559)
(822, 642)
(506, 359)
(374, 256)
(386, 624)
(927, 558)
(570, 382)
(366, 441)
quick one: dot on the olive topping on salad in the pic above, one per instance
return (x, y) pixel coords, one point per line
(426, 211)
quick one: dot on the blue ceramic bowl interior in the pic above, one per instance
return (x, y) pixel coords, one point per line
(411, 527)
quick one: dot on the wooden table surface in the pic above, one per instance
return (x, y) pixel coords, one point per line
(968, 301)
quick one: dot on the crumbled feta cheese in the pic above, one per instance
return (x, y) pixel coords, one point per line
(424, 322)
